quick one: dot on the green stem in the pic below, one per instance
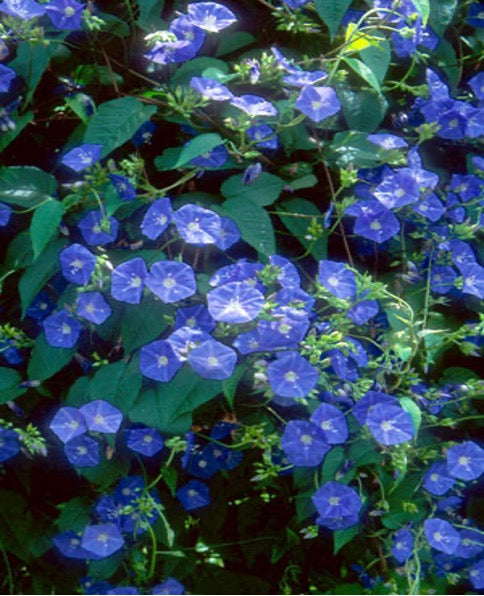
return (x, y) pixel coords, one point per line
(9, 571)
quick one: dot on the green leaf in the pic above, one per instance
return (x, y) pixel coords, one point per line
(364, 452)
(263, 191)
(232, 42)
(38, 274)
(364, 110)
(411, 407)
(306, 181)
(229, 386)
(140, 326)
(352, 148)
(170, 476)
(458, 374)
(445, 57)
(175, 157)
(26, 186)
(104, 384)
(20, 123)
(105, 568)
(45, 360)
(116, 121)
(15, 524)
(364, 71)
(423, 7)
(441, 15)
(150, 15)
(288, 214)
(9, 381)
(331, 12)
(45, 222)
(377, 58)
(75, 515)
(30, 63)
(332, 462)
(254, 224)
(342, 537)
(202, 66)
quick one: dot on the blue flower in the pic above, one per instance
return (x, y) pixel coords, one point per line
(68, 423)
(437, 480)
(195, 317)
(213, 360)
(338, 502)
(282, 332)
(7, 75)
(196, 225)
(332, 422)
(144, 440)
(254, 105)
(82, 452)
(69, 545)
(171, 280)
(465, 461)
(77, 264)
(370, 401)
(157, 218)
(23, 9)
(9, 444)
(264, 135)
(203, 464)
(93, 307)
(441, 535)
(235, 302)
(338, 279)
(101, 416)
(210, 16)
(189, 34)
(287, 274)
(184, 339)
(318, 103)
(402, 546)
(304, 78)
(144, 134)
(374, 221)
(62, 330)
(239, 271)
(127, 281)
(129, 489)
(229, 234)
(387, 141)
(291, 375)
(442, 279)
(102, 539)
(390, 425)
(123, 590)
(80, 158)
(169, 586)
(65, 14)
(158, 361)
(251, 173)
(126, 190)
(476, 575)
(430, 207)
(473, 280)
(304, 443)
(5, 213)
(97, 229)
(397, 190)
(210, 88)
(193, 495)
(363, 311)
(471, 544)
(211, 159)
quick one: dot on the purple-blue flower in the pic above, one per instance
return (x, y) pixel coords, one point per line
(77, 264)
(374, 221)
(203, 464)
(157, 218)
(304, 443)
(229, 234)
(9, 444)
(5, 213)
(65, 14)
(128, 489)
(465, 461)
(370, 401)
(235, 302)
(144, 440)
(441, 535)
(210, 16)
(158, 361)
(363, 311)
(197, 225)
(102, 539)
(195, 317)
(304, 78)
(476, 575)
(437, 480)
(336, 501)
(332, 422)
(471, 544)
(80, 158)
(93, 307)
(254, 105)
(23, 9)
(338, 279)
(397, 190)
(62, 330)
(387, 141)
(126, 190)
(7, 75)
(171, 280)
(318, 103)
(69, 544)
(210, 88)
(211, 159)
(291, 375)
(213, 360)
(390, 425)
(442, 279)
(127, 281)
(473, 275)
(430, 207)
(97, 229)
(184, 339)
(193, 495)
(264, 136)
(402, 546)
(68, 423)
(101, 416)
(83, 452)
(169, 586)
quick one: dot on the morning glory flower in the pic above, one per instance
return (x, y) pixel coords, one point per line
(158, 361)
(193, 495)
(264, 135)
(390, 425)
(203, 464)
(476, 575)
(195, 317)
(210, 16)
(69, 544)
(197, 225)
(77, 264)
(80, 158)
(441, 535)
(210, 88)
(295, 3)
(465, 461)
(5, 213)
(171, 51)
(397, 190)
(370, 401)
(304, 443)
(213, 360)
(7, 75)
(437, 480)
(97, 229)
(402, 546)
(129, 489)
(473, 280)
(102, 539)
(287, 274)
(431, 207)
(184, 339)
(239, 271)
(229, 234)
(126, 190)
(169, 586)
(144, 440)
(212, 159)
(291, 375)
(68, 423)
(23, 9)
(157, 218)
(9, 444)
(318, 103)
(336, 500)
(282, 332)
(338, 279)
(374, 221)
(93, 307)
(251, 173)
(171, 280)
(332, 422)
(254, 105)
(304, 78)
(471, 544)
(65, 14)
(82, 452)
(477, 85)
(387, 141)
(363, 311)
(101, 416)
(62, 330)
(127, 281)
(442, 279)
(235, 302)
